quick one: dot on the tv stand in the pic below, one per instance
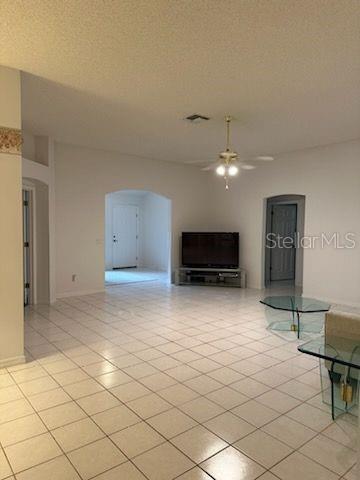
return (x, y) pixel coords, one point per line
(215, 277)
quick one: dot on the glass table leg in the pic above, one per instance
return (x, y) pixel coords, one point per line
(332, 391)
(298, 323)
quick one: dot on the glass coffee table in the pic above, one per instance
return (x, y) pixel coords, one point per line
(306, 314)
(341, 368)
(340, 365)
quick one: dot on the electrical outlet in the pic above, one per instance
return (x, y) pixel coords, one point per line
(73, 277)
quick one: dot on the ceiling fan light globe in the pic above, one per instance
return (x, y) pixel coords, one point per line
(233, 170)
(220, 170)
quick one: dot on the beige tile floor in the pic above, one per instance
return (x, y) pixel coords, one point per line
(157, 382)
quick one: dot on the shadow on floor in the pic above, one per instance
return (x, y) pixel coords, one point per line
(133, 275)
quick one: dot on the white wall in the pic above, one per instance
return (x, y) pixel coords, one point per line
(329, 177)
(156, 232)
(42, 242)
(28, 146)
(83, 177)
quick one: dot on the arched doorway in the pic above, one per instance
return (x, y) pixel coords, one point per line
(284, 229)
(137, 237)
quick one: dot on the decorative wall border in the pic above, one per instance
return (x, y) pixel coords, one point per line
(10, 140)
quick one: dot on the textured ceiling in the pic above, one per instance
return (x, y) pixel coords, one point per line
(122, 74)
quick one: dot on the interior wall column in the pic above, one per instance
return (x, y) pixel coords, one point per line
(11, 237)
(44, 152)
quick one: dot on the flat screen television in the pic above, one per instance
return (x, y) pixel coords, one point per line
(210, 249)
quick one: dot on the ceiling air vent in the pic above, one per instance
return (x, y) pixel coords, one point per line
(195, 118)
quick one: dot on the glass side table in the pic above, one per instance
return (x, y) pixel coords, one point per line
(306, 314)
(341, 358)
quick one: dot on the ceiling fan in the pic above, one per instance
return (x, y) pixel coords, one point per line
(229, 163)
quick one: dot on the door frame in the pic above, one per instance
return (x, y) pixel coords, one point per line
(299, 201)
(137, 233)
(32, 249)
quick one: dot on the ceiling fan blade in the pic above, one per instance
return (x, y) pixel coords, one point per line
(211, 166)
(196, 162)
(264, 158)
(247, 166)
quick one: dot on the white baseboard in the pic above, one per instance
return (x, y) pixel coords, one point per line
(79, 293)
(11, 361)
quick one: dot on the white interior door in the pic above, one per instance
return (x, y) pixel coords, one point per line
(125, 236)
(283, 225)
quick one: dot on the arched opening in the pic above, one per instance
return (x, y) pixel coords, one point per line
(284, 229)
(137, 237)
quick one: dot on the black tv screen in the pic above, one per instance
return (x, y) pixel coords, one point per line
(210, 249)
